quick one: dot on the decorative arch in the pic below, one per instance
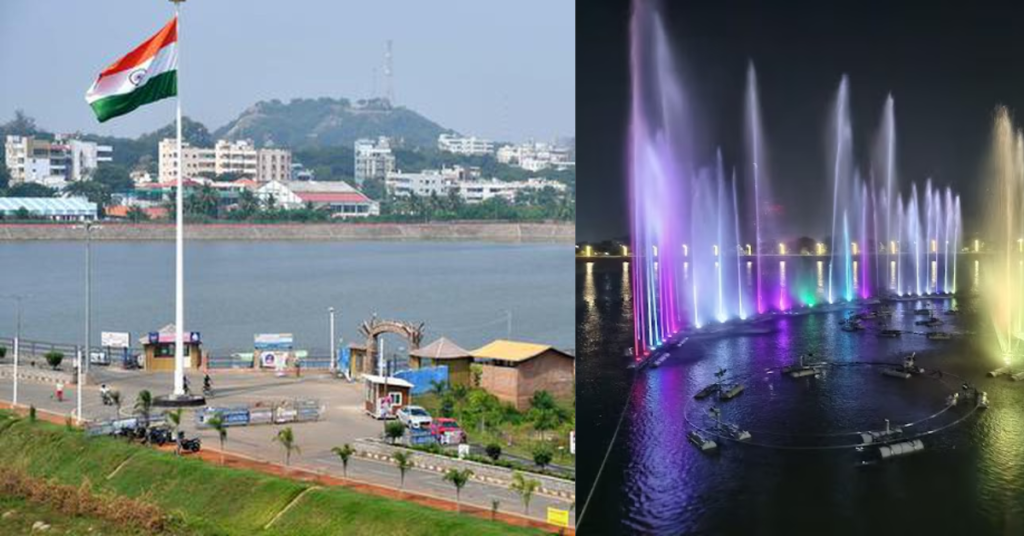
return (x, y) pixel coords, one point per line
(375, 327)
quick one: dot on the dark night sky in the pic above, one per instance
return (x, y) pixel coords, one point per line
(947, 66)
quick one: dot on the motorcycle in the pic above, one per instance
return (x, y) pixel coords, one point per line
(159, 436)
(190, 445)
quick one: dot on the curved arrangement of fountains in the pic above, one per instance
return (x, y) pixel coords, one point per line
(708, 418)
(703, 243)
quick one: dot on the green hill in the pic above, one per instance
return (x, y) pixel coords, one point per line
(329, 122)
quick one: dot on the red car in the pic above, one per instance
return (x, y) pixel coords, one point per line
(444, 427)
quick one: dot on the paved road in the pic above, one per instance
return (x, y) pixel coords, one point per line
(344, 422)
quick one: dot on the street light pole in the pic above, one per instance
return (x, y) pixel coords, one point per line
(334, 358)
(17, 346)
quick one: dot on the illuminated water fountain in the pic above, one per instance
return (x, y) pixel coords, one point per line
(692, 225)
(1003, 291)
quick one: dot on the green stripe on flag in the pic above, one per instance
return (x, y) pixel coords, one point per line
(161, 86)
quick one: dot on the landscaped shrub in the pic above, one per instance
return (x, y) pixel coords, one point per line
(53, 358)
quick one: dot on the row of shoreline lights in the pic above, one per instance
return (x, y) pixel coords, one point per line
(819, 248)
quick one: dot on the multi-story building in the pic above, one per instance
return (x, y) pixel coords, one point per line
(479, 191)
(373, 160)
(464, 145)
(422, 184)
(273, 165)
(535, 156)
(53, 163)
(235, 157)
(84, 157)
(239, 158)
(196, 161)
(466, 183)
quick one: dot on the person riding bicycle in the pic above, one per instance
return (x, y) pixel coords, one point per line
(105, 393)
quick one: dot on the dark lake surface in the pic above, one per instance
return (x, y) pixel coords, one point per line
(968, 480)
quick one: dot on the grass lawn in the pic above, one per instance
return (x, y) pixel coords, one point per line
(217, 500)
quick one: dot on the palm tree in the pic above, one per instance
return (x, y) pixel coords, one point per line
(438, 387)
(344, 452)
(217, 423)
(404, 461)
(144, 405)
(174, 417)
(525, 488)
(458, 479)
(287, 440)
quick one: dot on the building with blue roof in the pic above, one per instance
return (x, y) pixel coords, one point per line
(50, 208)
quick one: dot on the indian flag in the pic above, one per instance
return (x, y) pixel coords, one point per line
(146, 74)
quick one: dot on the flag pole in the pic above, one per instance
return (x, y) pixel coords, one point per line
(179, 280)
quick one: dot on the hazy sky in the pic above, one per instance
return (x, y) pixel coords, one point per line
(503, 70)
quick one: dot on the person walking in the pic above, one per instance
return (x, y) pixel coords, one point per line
(60, 391)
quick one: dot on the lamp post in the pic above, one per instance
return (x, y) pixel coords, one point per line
(330, 311)
(17, 341)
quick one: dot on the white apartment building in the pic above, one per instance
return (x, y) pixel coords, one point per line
(533, 156)
(373, 160)
(86, 156)
(236, 157)
(422, 184)
(469, 186)
(477, 191)
(464, 145)
(481, 190)
(197, 161)
(52, 163)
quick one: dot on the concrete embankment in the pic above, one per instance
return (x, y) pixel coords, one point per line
(501, 232)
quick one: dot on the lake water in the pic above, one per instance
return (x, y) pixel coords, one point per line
(968, 480)
(234, 290)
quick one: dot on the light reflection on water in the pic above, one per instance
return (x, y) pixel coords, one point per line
(968, 480)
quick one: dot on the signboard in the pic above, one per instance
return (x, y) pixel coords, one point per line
(463, 450)
(273, 359)
(115, 339)
(274, 341)
(344, 357)
(190, 337)
(558, 517)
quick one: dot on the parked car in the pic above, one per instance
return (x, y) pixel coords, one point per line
(447, 431)
(414, 417)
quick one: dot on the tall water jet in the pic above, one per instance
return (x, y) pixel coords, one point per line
(884, 165)
(1002, 292)
(840, 161)
(755, 155)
